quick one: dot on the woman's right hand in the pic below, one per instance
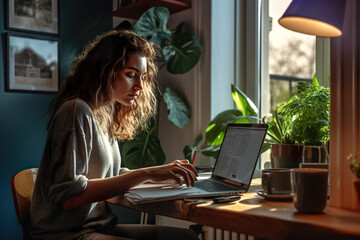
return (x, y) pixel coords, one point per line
(173, 171)
(105, 188)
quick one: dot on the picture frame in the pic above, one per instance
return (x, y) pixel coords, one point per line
(40, 16)
(32, 64)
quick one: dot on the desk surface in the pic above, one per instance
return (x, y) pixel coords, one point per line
(253, 215)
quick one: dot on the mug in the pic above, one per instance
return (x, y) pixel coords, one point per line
(276, 181)
(315, 154)
(309, 187)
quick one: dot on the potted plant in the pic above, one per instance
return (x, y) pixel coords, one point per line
(245, 112)
(180, 52)
(285, 153)
(299, 128)
(307, 120)
(355, 169)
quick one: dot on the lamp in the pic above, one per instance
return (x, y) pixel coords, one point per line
(323, 18)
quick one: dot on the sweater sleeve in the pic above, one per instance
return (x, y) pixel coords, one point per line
(70, 156)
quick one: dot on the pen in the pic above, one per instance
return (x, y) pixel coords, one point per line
(192, 163)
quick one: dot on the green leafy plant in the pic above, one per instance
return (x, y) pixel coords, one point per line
(180, 52)
(277, 132)
(246, 112)
(306, 119)
(355, 164)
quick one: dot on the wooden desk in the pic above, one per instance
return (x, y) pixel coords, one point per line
(255, 216)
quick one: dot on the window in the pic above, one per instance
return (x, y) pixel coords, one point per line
(288, 57)
(247, 49)
(291, 57)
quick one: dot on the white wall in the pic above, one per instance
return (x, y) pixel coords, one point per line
(194, 86)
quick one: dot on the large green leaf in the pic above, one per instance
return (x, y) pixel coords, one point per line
(184, 50)
(178, 112)
(216, 129)
(243, 102)
(152, 25)
(211, 151)
(266, 146)
(143, 151)
(188, 152)
(274, 129)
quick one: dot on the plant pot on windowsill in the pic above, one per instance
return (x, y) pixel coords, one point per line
(286, 155)
(355, 169)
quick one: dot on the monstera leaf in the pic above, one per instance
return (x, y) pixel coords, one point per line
(178, 112)
(152, 25)
(143, 151)
(181, 50)
(184, 50)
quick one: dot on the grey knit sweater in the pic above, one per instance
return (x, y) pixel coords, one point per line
(76, 150)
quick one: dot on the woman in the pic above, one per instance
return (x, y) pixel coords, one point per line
(108, 96)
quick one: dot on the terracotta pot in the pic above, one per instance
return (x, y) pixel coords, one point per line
(357, 188)
(286, 155)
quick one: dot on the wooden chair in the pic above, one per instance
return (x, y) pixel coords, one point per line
(22, 185)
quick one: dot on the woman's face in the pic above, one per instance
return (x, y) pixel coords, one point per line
(129, 81)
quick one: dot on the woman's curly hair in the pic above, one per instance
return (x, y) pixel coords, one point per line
(93, 73)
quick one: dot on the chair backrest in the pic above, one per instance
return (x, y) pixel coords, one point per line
(22, 185)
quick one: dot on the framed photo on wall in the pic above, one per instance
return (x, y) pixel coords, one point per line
(32, 64)
(39, 16)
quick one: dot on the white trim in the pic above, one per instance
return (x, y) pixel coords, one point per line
(248, 49)
(265, 77)
(222, 55)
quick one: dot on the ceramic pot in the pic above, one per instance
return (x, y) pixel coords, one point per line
(286, 155)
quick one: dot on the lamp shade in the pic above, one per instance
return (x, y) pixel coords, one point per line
(323, 18)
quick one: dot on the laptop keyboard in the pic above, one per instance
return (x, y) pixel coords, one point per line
(212, 186)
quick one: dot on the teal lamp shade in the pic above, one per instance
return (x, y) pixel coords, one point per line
(322, 18)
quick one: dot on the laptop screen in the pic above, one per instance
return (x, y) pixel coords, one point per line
(239, 152)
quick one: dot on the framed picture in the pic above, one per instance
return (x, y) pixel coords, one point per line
(32, 64)
(39, 16)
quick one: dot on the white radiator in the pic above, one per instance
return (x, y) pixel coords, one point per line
(209, 233)
(219, 234)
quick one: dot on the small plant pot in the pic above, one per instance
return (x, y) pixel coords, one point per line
(286, 155)
(357, 188)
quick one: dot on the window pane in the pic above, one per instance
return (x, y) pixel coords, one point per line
(291, 56)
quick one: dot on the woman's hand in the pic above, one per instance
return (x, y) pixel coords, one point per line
(105, 188)
(174, 171)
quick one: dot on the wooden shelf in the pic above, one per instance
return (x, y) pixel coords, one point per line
(134, 10)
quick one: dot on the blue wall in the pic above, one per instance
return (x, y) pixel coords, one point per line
(22, 125)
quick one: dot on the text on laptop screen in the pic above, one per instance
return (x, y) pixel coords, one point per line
(239, 152)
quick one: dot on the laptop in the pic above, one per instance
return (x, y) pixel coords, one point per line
(232, 173)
